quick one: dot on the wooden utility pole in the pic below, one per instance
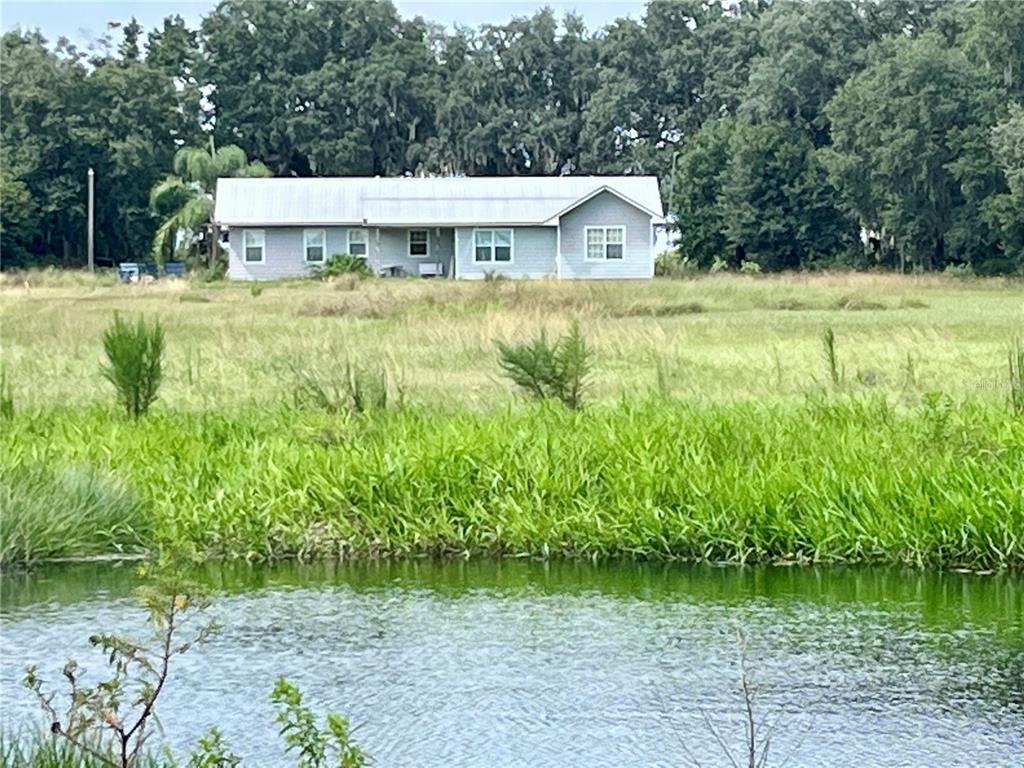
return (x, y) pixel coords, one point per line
(92, 260)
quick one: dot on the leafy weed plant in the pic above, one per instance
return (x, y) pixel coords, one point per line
(135, 353)
(545, 370)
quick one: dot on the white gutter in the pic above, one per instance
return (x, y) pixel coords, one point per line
(380, 225)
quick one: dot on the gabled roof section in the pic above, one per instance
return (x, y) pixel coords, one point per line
(443, 201)
(656, 214)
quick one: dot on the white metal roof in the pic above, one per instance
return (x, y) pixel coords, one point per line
(451, 201)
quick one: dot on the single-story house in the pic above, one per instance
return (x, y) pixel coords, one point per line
(519, 226)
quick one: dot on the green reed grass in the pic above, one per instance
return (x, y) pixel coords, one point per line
(1016, 376)
(355, 387)
(835, 370)
(851, 479)
(51, 512)
(42, 750)
(6, 396)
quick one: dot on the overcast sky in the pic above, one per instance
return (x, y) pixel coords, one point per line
(85, 20)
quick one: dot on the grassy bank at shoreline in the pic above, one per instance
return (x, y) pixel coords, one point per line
(829, 479)
(715, 428)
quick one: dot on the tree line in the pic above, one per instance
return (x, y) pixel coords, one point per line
(861, 132)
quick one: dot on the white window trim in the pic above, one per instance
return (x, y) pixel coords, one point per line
(263, 246)
(605, 228)
(366, 242)
(305, 245)
(408, 248)
(511, 245)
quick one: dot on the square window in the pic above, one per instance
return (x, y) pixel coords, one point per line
(605, 243)
(492, 245)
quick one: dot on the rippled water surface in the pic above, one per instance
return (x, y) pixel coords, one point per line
(529, 664)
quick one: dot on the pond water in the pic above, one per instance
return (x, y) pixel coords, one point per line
(557, 664)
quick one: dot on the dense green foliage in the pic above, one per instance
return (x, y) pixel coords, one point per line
(780, 129)
(1004, 211)
(184, 201)
(63, 111)
(910, 150)
(344, 264)
(855, 478)
(775, 207)
(135, 353)
(891, 117)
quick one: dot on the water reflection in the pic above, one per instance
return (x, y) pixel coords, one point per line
(525, 663)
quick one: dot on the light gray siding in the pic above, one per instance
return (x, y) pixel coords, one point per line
(389, 248)
(533, 254)
(385, 248)
(534, 248)
(283, 256)
(605, 209)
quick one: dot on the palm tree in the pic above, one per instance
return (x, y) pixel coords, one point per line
(185, 200)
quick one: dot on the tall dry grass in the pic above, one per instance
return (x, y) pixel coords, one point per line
(720, 338)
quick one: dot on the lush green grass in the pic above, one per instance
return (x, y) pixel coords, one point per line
(847, 478)
(716, 427)
(717, 338)
(64, 510)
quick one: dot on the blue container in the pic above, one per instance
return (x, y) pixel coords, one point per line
(129, 272)
(132, 271)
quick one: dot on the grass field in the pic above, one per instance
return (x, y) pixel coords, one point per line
(716, 339)
(715, 429)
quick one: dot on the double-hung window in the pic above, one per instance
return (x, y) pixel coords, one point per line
(357, 242)
(314, 244)
(254, 246)
(605, 243)
(492, 245)
(418, 243)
